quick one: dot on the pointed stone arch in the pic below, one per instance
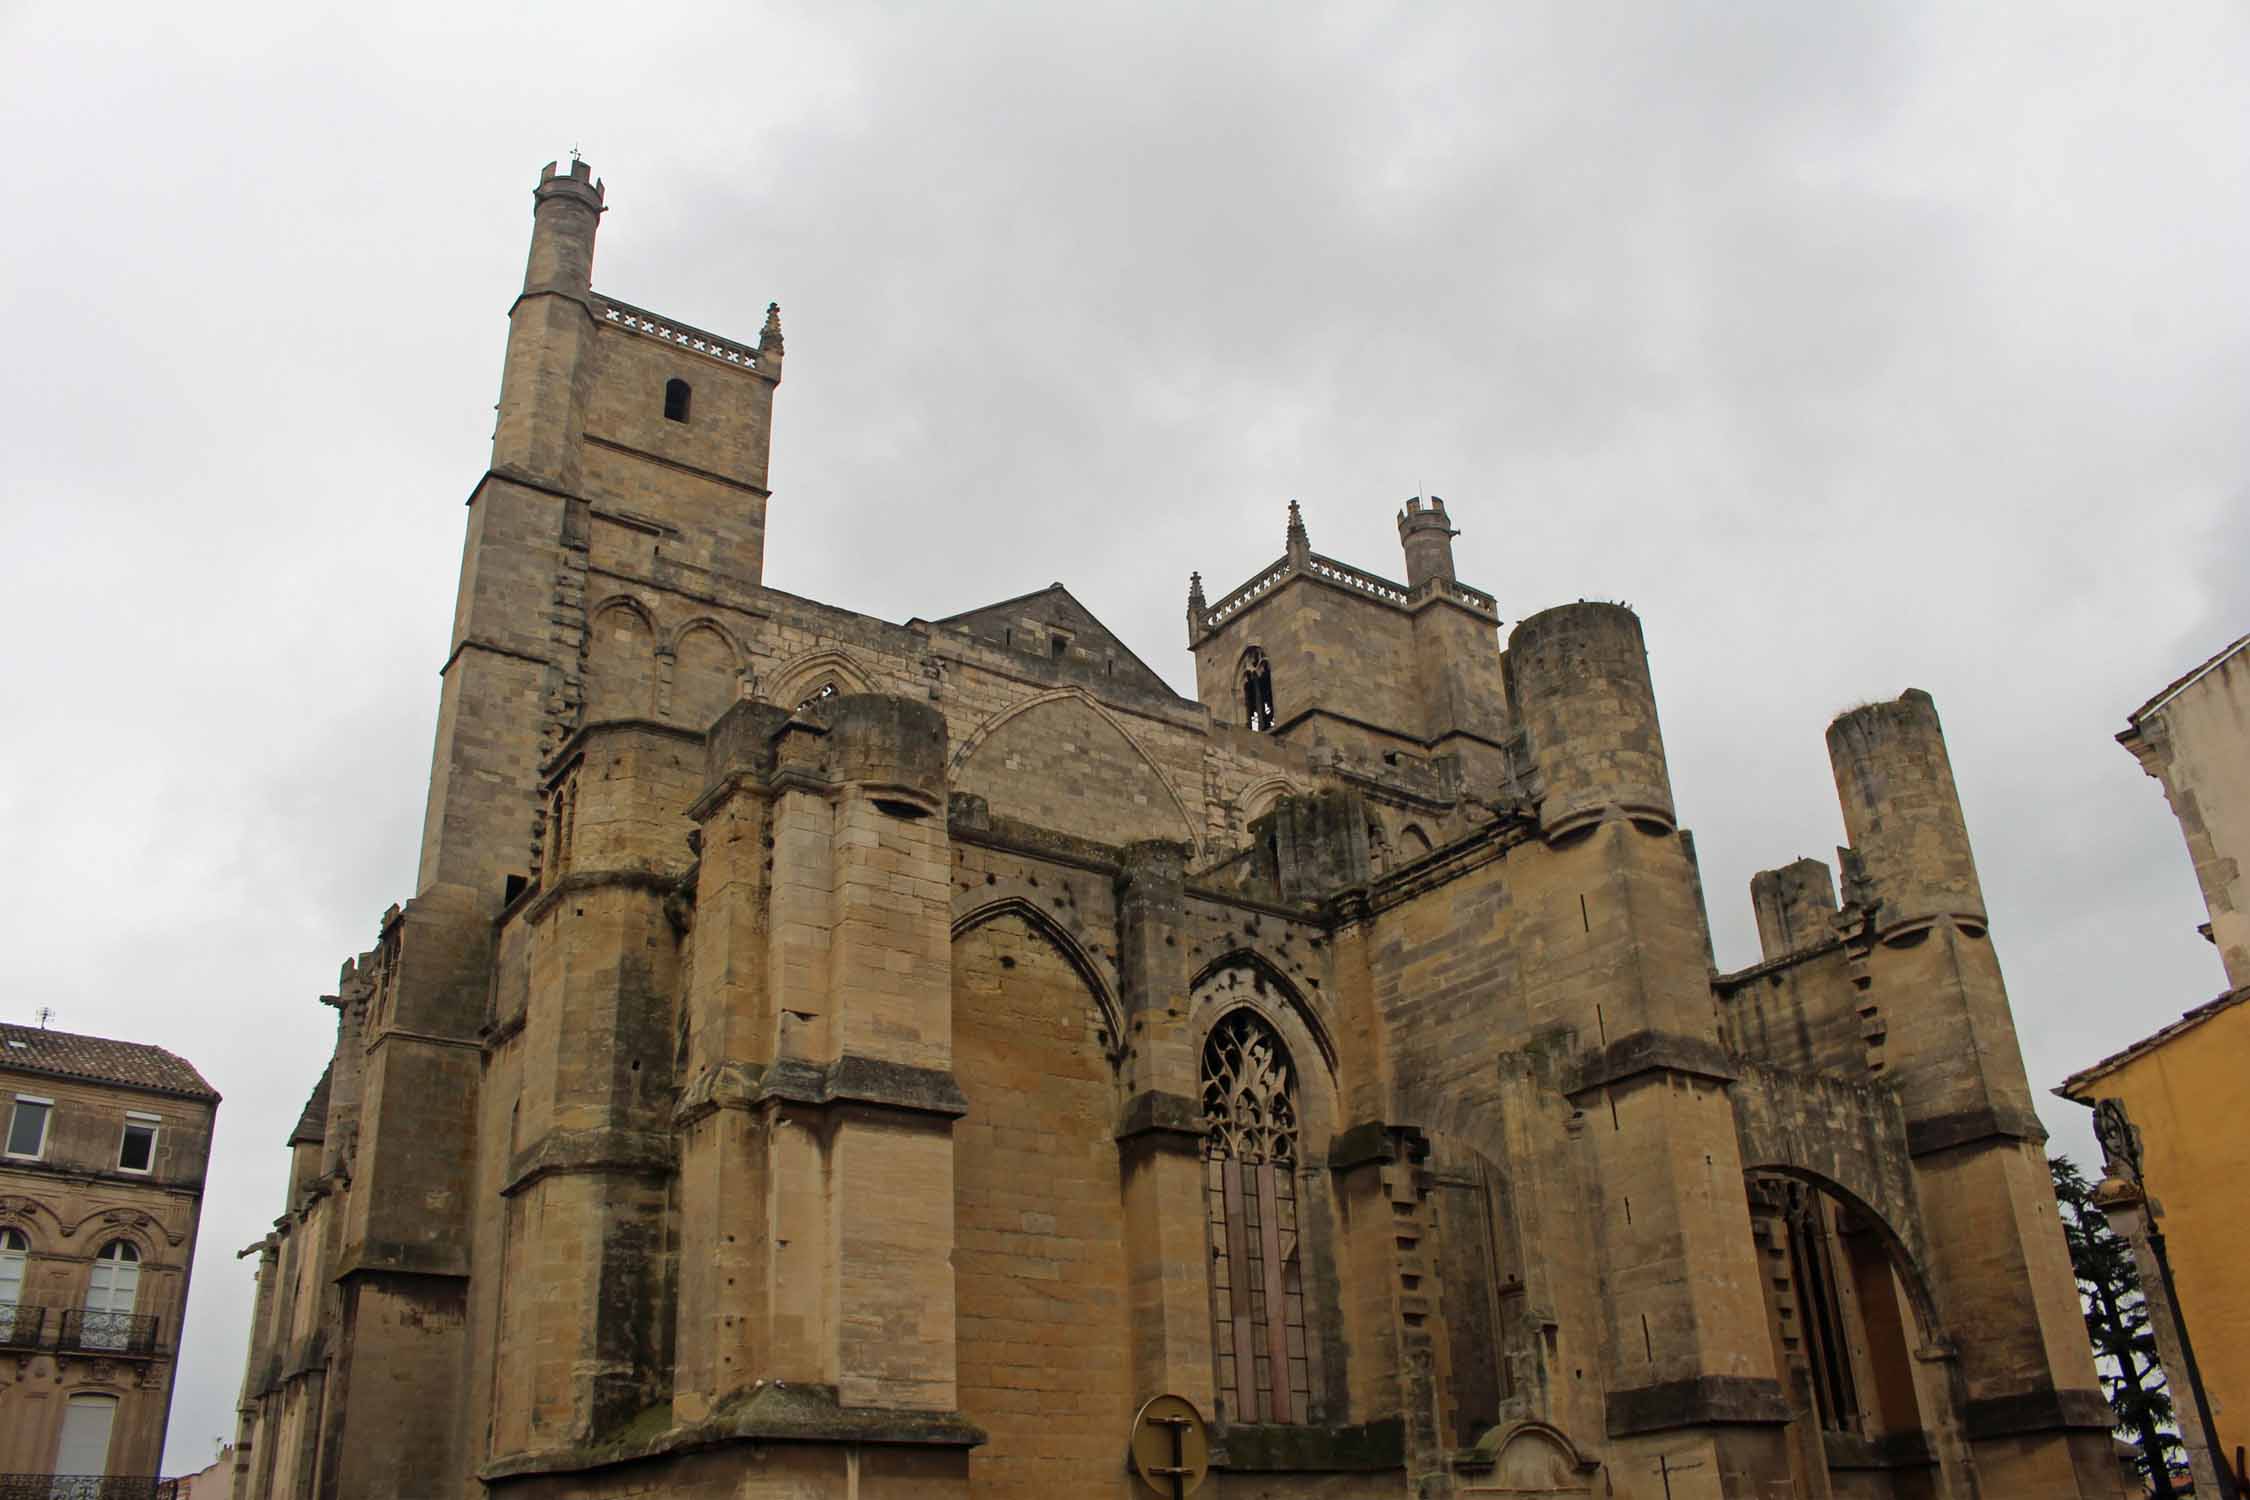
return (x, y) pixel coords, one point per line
(1272, 993)
(1023, 907)
(1039, 1202)
(805, 675)
(706, 677)
(1174, 820)
(1900, 1245)
(1257, 799)
(630, 605)
(712, 623)
(618, 661)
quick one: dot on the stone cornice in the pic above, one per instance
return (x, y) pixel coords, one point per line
(769, 1412)
(901, 1088)
(605, 1150)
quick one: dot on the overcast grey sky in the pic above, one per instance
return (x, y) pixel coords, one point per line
(1856, 346)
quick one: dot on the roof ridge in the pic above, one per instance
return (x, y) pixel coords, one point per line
(2189, 1019)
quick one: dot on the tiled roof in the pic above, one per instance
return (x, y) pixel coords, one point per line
(65, 1055)
(2074, 1087)
(312, 1125)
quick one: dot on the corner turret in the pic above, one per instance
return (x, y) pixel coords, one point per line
(567, 209)
(1427, 535)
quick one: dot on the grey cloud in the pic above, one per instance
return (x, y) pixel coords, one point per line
(1857, 346)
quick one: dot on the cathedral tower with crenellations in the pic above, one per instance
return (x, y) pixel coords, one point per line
(830, 1057)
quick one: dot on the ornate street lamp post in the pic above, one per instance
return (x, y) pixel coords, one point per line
(2123, 1200)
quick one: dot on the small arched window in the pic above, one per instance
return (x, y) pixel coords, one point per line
(1257, 689)
(15, 1253)
(677, 395)
(111, 1291)
(1250, 1193)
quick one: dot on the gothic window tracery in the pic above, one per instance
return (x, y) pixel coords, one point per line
(1257, 1286)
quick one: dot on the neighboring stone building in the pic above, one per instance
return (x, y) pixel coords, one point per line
(2187, 1085)
(101, 1185)
(825, 1057)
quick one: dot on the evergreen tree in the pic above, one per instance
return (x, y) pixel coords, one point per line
(2109, 1290)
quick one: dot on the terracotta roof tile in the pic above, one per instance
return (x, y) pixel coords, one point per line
(67, 1055)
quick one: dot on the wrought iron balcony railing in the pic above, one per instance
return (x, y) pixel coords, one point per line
(87, 1487)
(106, 1333)
(21, 1325)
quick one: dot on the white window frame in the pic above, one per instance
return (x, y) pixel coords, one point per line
(154, 1125)
(46, 1128)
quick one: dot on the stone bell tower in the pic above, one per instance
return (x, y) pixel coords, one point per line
(1369, 666)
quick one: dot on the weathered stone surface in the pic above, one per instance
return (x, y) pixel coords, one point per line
(829, 1057)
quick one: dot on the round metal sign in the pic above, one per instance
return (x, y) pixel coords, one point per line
(1171, 1448)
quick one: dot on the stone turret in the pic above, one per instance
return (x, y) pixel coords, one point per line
(1581, 691)
(566, 212)
(550, 328)
(1427, 535)
(1910, 847)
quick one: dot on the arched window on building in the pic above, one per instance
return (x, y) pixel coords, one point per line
(1250, 1192)
(1257, 689)
(15, 1255)
(677, 395)
(111, 1291)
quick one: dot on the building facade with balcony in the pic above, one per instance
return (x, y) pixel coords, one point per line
(101, 1186)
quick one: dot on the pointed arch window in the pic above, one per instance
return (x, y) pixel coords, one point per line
(1250, 1193)
(1257, 689)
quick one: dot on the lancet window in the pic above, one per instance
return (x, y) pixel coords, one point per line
(1257, 689)
(1250, 1191)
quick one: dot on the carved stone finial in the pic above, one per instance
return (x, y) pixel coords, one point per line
(1196, 605)
(1299, 541)
(769, 337)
